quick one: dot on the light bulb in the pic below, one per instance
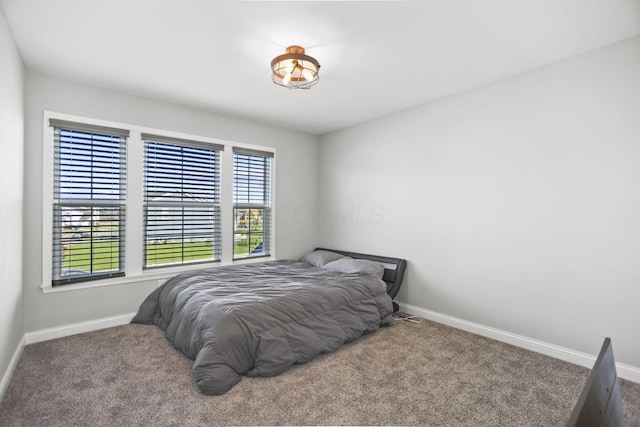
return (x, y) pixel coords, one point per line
(308, 75)
(286, 79)
(290, 66)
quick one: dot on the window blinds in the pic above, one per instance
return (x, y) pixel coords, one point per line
(251, 203)
(182, 201)
(89, 195)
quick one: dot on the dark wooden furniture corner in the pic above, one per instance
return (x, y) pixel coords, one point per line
(600, 403)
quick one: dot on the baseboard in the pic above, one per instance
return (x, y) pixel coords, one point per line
(627, 372)
(8, 373)
(77, 328)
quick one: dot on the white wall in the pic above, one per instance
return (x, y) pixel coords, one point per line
(12, 76)
(517, 204)
(296, 187)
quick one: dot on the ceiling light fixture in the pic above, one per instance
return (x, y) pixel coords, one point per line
(294, 69)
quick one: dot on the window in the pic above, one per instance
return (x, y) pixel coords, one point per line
(134, 204)
(181, 202)
(251, 203)
(89, 193)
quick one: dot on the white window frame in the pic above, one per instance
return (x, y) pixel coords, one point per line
(266, 205)
(71, 192)
(134, 234)
(213, 198)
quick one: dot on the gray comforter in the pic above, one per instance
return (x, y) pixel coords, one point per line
(260, 319)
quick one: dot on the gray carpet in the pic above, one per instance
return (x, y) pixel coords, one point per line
(409, 374)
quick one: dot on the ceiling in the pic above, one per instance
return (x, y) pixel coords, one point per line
(377, 57)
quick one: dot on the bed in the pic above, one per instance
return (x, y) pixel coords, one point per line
(260, 319)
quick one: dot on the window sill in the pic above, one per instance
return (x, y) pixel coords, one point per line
(148, 276)
(160, 278)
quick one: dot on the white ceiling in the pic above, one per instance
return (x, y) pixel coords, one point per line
(377, 57)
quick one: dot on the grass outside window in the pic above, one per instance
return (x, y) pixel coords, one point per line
(78, 255)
